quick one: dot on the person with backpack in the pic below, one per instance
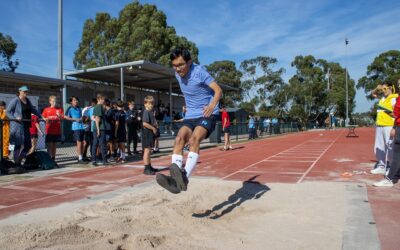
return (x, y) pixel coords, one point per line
(19, 112)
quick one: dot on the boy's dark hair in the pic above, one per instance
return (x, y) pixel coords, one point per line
(2, 103)
(180, 52)
(94, 101)
(107, 102)
(120, 104)
(72, 98)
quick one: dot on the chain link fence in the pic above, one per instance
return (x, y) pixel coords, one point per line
(66, 146)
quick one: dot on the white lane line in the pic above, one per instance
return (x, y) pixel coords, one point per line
(251, 165)
(38, 190)
(280, 160)
(315, 162)
(274, 173)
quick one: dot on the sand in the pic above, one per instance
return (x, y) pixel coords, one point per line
(212, 214)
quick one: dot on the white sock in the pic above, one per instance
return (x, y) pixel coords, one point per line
(177, 159)
(122, 155)
(80, 157)
(191, 162)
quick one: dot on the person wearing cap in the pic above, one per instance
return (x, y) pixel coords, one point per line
(19, 112)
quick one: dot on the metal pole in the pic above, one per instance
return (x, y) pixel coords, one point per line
(60, 42)
(122, 84)
(347, 85)
(329, 76)
(170, 105)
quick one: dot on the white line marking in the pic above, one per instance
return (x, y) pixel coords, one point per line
(315, 162)
(281, 160)
(243, 169)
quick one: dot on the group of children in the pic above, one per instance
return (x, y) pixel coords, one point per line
(104, 125)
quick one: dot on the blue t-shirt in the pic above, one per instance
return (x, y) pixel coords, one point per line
(196, 90)
(251, 123)
(75, 112)
(92, 123)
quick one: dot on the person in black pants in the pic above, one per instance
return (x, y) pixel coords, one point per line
(133, 124)
(99, 134)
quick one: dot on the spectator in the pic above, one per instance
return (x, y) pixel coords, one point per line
(52, 115)
(167, 122)
(393, 174)
(99, 136)
(333, 120)
(21, 108)
(109, 123)
(181, 115)
(149, 132)
(252, 127)
(87, 117)
(156, 148)
(120, 130)
(35, 131)
(226, 124)
(6, 129)
(74, 114)
(275, 125)
(133, 124)
(266, 125)
(384, 124)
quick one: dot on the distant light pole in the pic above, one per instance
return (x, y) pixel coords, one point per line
(346, 41)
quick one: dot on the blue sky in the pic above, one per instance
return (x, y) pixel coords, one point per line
(223, 30)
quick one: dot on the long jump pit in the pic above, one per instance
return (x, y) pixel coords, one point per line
(212, 214)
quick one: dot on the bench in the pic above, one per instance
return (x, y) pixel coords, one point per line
(351, 130)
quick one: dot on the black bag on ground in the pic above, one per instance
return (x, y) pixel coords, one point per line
(9, 167)
(39, 160)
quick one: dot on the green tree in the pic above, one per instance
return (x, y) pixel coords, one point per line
(308, 91)
(139, 33)
(384, 68)
(260, 78)
(248, 107)
(225, 72)
(7, 50)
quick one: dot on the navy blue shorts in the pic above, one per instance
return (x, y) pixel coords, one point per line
(78, 135)
(226, 130)
(206, 122)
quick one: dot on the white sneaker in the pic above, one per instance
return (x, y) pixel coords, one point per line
(378, 170)
(383, 183)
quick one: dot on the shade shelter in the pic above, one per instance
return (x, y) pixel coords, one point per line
(137, 74)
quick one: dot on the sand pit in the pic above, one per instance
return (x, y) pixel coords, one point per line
(213, 214)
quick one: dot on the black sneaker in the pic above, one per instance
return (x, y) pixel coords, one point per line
(155, 170)
(168, 183)
(148, 171)
(94, 163)
(179, 176)
(81, 162)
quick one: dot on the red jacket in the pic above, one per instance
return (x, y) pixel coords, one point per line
(396, 112)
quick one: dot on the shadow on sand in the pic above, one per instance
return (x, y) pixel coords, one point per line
(250, 190)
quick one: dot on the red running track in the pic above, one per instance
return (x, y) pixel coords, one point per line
(295, 158)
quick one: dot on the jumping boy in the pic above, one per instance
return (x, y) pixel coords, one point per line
(202, 95)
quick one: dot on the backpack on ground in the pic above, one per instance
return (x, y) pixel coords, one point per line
(9, 167)
(39, 160)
